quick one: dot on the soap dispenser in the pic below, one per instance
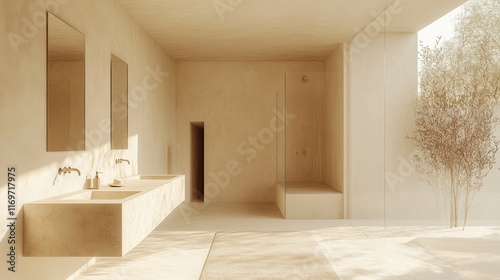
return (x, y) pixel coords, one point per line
(97, 180)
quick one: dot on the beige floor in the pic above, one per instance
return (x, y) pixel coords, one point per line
(178, 247)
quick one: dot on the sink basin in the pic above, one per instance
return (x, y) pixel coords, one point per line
(148, 179)
(96, 195)
(153, 177)
(156, 177)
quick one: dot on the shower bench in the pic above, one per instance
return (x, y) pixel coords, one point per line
(309, 200)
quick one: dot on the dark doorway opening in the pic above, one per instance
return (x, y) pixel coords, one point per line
(197, 161)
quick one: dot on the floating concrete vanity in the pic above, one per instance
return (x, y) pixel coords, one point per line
(104, 222)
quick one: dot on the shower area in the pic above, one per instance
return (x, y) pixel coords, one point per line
(309, 149)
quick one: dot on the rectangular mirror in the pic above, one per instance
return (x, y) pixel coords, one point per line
(119, 103)
(65, 86)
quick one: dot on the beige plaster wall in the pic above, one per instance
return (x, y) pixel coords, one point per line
(236, 100)
(383, 82)
(108, 28)
(405, 196)
(366, 131)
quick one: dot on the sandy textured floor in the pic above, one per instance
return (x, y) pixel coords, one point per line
(178, 248)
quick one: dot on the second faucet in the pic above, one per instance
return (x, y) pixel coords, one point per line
(120, 160)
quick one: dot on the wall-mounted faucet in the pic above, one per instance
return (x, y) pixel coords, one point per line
(120, 160)
(68, 169)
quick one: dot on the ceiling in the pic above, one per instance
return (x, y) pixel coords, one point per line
(271, 29)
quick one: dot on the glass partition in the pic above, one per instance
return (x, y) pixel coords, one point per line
(441, 120)
(313, 144)
(281, 154)
(407, 139)
(383, 138)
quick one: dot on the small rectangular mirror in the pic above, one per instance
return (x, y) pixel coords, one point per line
(119, 104)
(65, 86)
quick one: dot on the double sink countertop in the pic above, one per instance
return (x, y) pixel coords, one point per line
(109, 221)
